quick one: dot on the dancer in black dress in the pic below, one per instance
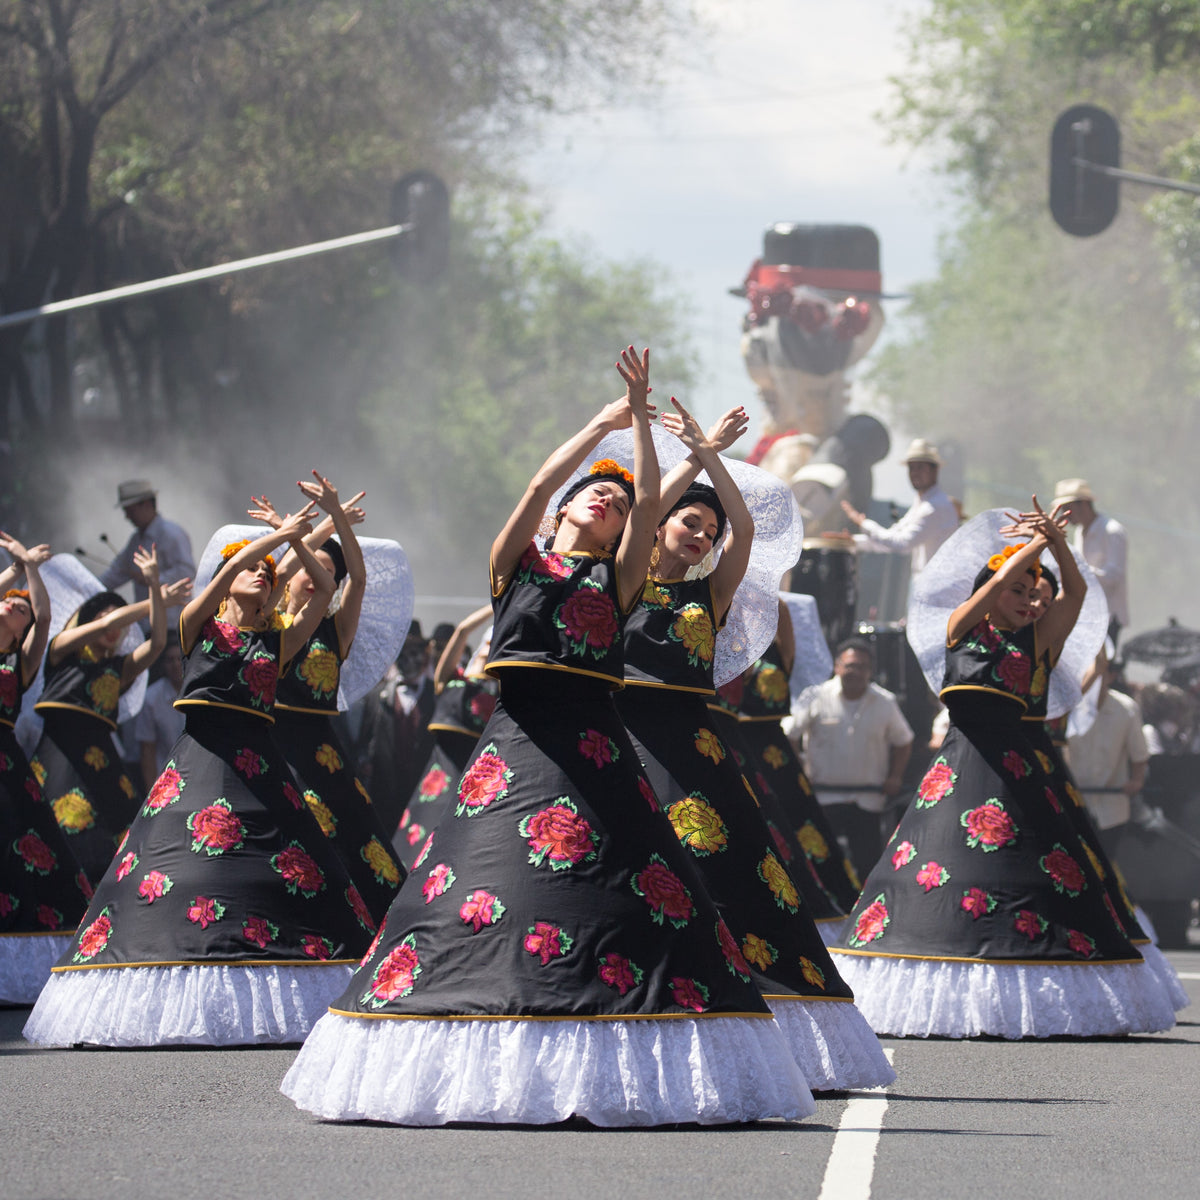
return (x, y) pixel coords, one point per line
(225, 917)
(43, 891)
(553, 951)
(670, 646)
(983, 916)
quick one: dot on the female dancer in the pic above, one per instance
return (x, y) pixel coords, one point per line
(43, 893)
(307, 700)
(670, 645)
(80, 771)
(982, 916)
(225, 917)
(553, 951)
(463, 706)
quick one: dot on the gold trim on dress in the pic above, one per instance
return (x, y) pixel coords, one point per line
(996, 962)
(615, 683)
(183, 702)
(44, 704)
(218, 962)
(566, 1020)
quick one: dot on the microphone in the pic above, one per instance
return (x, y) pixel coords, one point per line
(104, 539)
(80, 552)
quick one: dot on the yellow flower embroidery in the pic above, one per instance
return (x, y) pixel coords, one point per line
(73, 811)
(775, 876)
(375, 855)
(698, 825)
(1037, 685)
(773, 757)
(771, 684)
(38, 770)
(805, 786)
(1073, 792)
(812, 973)
(105, 691)
(656, 596)
(1047, 765)
(95, 758)
(1094, 860)
(708, 744)
(811, 842)
(126, 786)
(758, 951)
(852, 875)
(362, 791)
(329, 758)
(694, 628)
(323, 813)
(320, 671)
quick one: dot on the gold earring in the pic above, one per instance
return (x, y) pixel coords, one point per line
(655, 555)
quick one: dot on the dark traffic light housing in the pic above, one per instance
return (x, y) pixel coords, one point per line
(1083, 200)
(421, 202)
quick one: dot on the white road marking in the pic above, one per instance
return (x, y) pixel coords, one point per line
(851, 1163)
(1188, 974)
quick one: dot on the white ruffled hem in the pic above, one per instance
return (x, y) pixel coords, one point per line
(25, 962)
(832, 1044)
(1146, 924)
(711, 1071)
(207, 1005)
(908, 997)
(1162, 970)
(831, 931)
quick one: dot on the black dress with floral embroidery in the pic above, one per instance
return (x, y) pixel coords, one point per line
(761, 699)
(42, 888)
(78, 764)
(305, 704)
(984, 866)
(670, 641)
(555, 889)
(223, 863)
(461, 711)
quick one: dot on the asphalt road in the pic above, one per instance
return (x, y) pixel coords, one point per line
(981, 1119)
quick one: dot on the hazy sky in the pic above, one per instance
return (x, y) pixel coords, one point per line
(774, 120)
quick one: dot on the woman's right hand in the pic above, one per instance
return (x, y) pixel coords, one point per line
(264, 510)
(728, 428)
(636, 373)
(297, 525)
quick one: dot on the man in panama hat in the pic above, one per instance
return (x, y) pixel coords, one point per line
(139, 500)
(1104, 545)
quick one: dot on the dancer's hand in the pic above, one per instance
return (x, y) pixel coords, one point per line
(636, 373)
(322, 493)
(355, 513)
(264, 510)
(176, 594)
(298, 525)
(684, 426)
(728, 428)
(146, 562)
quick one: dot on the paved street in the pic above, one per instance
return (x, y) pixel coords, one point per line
(982, 1119)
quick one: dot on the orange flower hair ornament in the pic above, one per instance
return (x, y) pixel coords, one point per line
(998, 560)
(228, 551)
(610, 466)
(20, 593)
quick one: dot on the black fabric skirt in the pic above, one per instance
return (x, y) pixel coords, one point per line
(556, 886)
(341, 805)
(435, 795)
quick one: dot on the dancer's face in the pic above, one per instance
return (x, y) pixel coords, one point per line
(15, 615)
(110, 639)
(600, 510)
(1013, 607)
(253, 584)
(301, 586)
(687, 535)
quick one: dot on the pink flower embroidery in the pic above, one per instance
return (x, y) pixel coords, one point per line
(396, 975)
(988, 826)
(225, 639)
(734, 958)
(481, 908)
(664, 892)
(317, 947)
(415, 833)
(1030, 924)
(94, 938)
(433, 784)
(154, 886)
(1064, 871)
(618, 972)
(299, 870)
(871, 923)
(204, 912)
(440, 880)
(483, 704)
(1014, 672)
(903, 855)
(589, 619)
(260, 674)
(1080, 943)
(359, 905)
(932, 875)
(596, 746)
(260, 932)
(547, 942)
(937, 785)
(485, 781)
(1015, 765)
(249, 763)
(292, 796)
(548, 564)
(977, 902)
(126, 865)
(560, 834)
(424, 854)
(1053, 800)
(49, 918)
(165, 791)
(689, 993)
(215, 829)
(648, 793)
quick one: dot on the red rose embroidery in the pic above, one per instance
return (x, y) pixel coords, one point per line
(781, 846)
(260, 675)
(937, 785)
(8, 688)
(589, 618)
(225, 639)
(433, 784)
(988, 826)
(547, 942)
(871, 923)
(977, 902)
(126, 865)
(292, 796)
(49, 918)
(648, 793)
(689, 993)
(1064, 871)
(359, 905)
(424, 854)
(1053, 800)
(395, 976)
(317, 947)
(299, 870)
(618, 972)
(483, 704)
(440, 880)
(154, 886)
(8, 904)
(36, 855)
(249, 763)
(734, 957)
(664, 892)
(1015, 765)
(1080, 943)
(481, 908)
(82, 883)
(204, 911)
(94, 938)
(215, 829)
(594, 745)
(485, 781)
(932, 875)
(903, 855)
(1030, 924)
(1014, 672)
(165, 791)
(560, 834)
(260, 932)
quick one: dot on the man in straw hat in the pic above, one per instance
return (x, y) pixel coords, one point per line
(1104, 545)
(926, 525)
(138, 499)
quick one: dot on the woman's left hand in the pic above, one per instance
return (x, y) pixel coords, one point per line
(322, 493)
(146, 562)
(684, 426)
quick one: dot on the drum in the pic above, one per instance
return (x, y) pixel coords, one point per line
(828, 571)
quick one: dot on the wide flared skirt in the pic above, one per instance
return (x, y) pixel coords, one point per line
(341, 806)
(552, 942)
(435, 796)
(25, 963)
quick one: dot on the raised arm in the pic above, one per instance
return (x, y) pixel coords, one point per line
(305, 622)
(971, 611)
(735, 556)
(522, 525)
(725, 431)
(324, 494)
(1059, 619)
(34, 645)
(633, 554)
(452, 652)
(143, 655)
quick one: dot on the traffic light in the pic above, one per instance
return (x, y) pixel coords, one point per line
(420, 200)
(1083, 202)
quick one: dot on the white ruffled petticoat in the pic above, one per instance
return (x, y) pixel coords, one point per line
(831, 931)
(207, 1005)
(1165, 974)
(832, 1044)
(424, 1071)
(25, 962)
(908, 997)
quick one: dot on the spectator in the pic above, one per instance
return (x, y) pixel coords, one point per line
(857, 744)
(1103, 543)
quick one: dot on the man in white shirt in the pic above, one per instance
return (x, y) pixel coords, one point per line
(926, 525)
(1104, 545)
(1110, 760)
(139, 500)
(856, 744)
